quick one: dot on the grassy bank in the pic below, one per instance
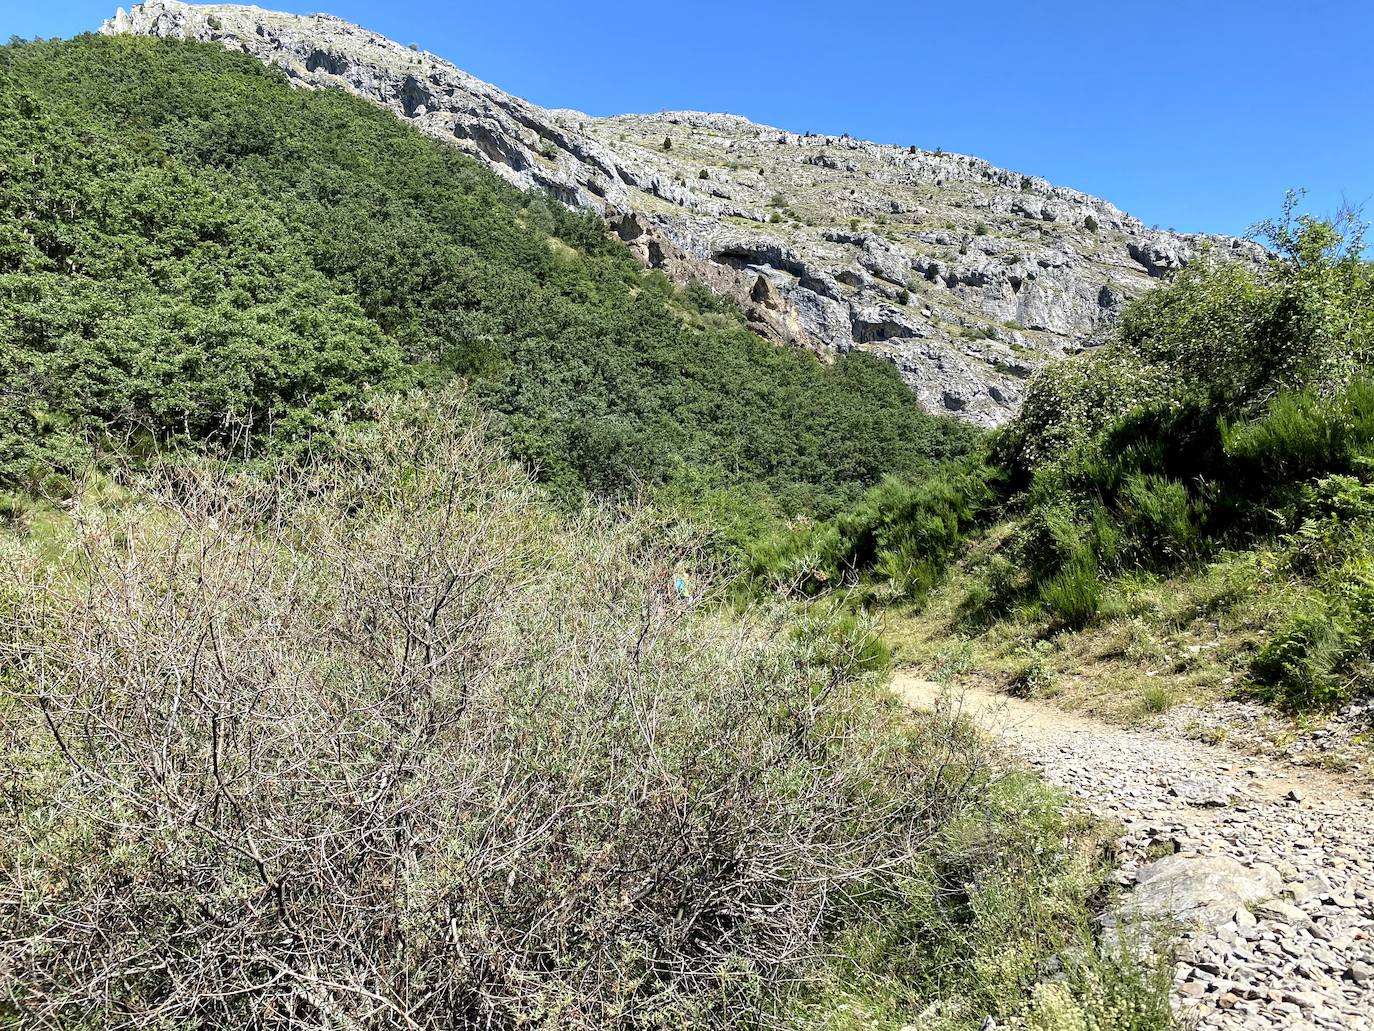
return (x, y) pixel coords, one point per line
(1210, 469)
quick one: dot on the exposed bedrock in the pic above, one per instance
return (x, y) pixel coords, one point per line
(966, 276)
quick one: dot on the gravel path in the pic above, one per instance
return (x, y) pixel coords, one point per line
(1297, 951)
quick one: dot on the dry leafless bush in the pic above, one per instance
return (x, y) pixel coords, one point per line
(385, 744)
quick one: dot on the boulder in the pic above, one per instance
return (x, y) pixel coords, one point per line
(1203, 791)
(1204, 890)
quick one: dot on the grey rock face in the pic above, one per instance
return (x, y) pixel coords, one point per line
(527, 146)
(966, 276)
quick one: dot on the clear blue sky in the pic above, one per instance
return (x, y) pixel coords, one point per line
(1196, 114)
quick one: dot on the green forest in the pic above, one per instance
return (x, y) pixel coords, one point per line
(193, 252)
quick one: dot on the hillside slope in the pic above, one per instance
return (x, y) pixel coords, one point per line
(966, 276)
(363, 732)
(200, 253)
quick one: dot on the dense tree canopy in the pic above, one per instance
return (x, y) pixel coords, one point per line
(190, 249)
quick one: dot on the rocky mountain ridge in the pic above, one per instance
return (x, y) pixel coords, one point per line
(966, 276)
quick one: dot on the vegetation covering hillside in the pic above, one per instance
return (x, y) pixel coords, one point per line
(363, 731)
(193, 251)
(319, 711)
(1225, 436)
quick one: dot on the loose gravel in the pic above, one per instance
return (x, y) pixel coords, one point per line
(1303, 958)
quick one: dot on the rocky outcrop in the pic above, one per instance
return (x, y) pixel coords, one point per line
(527, 146)
(966, 276)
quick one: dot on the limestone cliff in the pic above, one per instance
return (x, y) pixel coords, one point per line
(966, 276)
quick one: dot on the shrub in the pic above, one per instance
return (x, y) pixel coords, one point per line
(1221, 338)
(667, 143)
(1321, 655)
(14, 508)
(991, 592)
(1073, 596)
(1090, 223)
(1301, 660)
(835, 637)
(384, 742)
(903, 296)
(1161, 516)
(969, 935)
(1303, 433)
(1109, 989)
(1156, 698)
(703, 174)
(904, 533)
(1034, 676)
(981, 229)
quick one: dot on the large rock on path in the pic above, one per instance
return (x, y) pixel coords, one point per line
(1201, 890)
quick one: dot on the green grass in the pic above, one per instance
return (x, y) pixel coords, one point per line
(1190, 637)
(1008, 894)
(1156, 698)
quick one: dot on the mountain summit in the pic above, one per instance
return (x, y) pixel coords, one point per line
(966, 276)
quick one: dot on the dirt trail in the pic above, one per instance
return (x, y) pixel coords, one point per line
(1303, 959)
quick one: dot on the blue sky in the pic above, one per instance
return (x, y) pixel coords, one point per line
(1193, 114)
